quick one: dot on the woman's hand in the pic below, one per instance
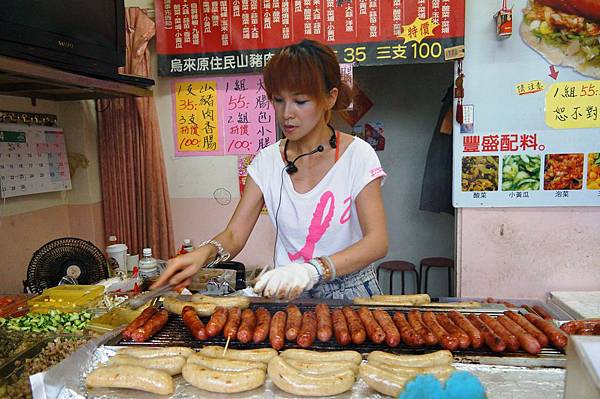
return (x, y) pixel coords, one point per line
(287, 282)
(181, 269)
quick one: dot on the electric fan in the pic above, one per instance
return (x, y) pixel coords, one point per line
(71, 258)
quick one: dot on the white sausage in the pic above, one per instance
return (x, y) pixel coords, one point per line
(176, 306)
(441, 372)
(172, 365)
(224, 364)
(145, 352)
(241, 302)
(322, 367)
(438, 358)
(223, 381)
(292, 380)
(315, 356)
(416, 299)
(132, 377)
(384, 381)
(262, 355)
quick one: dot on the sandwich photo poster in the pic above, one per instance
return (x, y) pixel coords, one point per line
(533, 133)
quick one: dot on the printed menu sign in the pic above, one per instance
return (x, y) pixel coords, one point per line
(534, 137)
(222, 116)
(235, 36)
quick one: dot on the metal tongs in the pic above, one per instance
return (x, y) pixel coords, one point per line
(141, 299)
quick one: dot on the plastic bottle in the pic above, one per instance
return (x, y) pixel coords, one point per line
(148, 266)
(186, 247)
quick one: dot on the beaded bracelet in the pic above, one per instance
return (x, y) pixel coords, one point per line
(326, 276)
(222, 254)
(318, 266)
(331, 265)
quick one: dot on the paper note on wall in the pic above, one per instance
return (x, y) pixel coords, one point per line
(247, 115)
(573, 105)
(196, 120)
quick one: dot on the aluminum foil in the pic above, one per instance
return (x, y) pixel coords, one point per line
(67, 381)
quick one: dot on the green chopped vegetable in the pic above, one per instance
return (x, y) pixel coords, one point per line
(521, 172)
(47, 322)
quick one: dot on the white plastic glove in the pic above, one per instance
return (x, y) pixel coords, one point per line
(287, 282)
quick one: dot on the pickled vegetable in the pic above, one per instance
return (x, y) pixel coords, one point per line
(480, 173)
(521, 172)
(593, 174)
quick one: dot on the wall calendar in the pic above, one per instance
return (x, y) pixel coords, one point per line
(33, 159)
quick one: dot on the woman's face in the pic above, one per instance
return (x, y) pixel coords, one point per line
(299, 114)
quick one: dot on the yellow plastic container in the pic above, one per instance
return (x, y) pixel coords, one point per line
(67, 298)
(116, 317)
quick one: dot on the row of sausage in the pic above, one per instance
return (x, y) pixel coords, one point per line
(450, 330)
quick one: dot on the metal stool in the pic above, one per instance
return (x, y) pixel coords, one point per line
(399, 266)
(428, 263)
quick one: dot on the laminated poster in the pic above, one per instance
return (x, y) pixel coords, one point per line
(533, 135)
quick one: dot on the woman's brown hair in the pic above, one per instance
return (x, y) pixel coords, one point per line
(309, 68)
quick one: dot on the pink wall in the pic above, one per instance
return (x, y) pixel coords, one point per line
(202, 218)
(526, 253)
(21, 235)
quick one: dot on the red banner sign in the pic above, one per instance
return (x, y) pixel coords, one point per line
(233, 36)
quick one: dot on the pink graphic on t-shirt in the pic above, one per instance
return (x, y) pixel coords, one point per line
(318, 227)
(346, 214)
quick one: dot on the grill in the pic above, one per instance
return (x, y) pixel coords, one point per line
(175, 333)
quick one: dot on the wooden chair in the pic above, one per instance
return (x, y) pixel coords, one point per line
(402, 267)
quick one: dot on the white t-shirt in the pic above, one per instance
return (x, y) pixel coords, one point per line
(324, 220)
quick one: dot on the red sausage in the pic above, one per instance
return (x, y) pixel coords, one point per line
(463, 338)
(234, 317)
(556, 336)
(151, 327)
(357, 330)
(324, 325)
(374, 330)
(392, 335)
(340, 327)
(308, 331)
(139, 321)
(542, 312)
(217, 322)
(263, 323)
(415, 320)
(193, 323)
(512, 343)
(464, 324)
(446, 340)
(277, 330)
(526, 340)
(293, 323)
(246, 330)
(493, 341)
(527, 326)
(409, 336)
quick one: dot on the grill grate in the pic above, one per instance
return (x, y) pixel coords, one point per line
(175, 333)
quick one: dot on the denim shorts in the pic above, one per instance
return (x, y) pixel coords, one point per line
(362, 283)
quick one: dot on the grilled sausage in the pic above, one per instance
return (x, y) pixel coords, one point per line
(542, 312)
(527, 326)
(463, 338)
(409, 336)
(357, 330)
(308, 330)
(526, 340)
(340, 327)
(464, 324)
(217, 322)
(324, 325)
(512, 343)
(263, 323)
(234, 318)
(416, 322)
(151, 327)
(554, 334)
(493, 341)
(139, 321)
(446, 340)
(392, 335)
(246, 330)
(193, 323)
(293, 323)
(374, 330)
(277, 330)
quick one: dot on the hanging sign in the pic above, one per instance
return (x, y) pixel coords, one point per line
(234, 36)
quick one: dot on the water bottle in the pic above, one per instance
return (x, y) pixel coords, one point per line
(186, 247)
(148, 266)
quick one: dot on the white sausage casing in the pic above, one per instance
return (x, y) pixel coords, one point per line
(132, 377)
(262, 355)
(315, 356)
(223, 381)
(224, 364)
(172, 365)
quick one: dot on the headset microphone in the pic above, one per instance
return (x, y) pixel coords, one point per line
(291, 167)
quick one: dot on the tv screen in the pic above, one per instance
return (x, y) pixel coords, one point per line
(81, 35)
